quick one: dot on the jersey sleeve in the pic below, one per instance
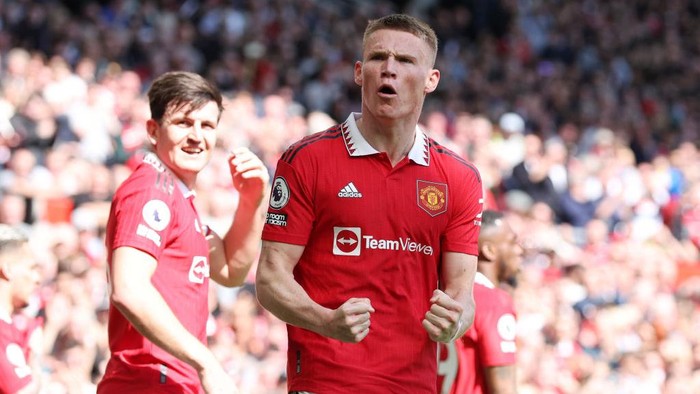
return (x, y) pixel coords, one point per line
(496, 329)
(462, 233)
(142, 215)
(15, 374)
(290, 215)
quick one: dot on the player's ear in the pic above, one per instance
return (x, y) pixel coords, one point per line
(488, 251)
(152, 128)
(5, 271)
(431, 82)
(358, 73)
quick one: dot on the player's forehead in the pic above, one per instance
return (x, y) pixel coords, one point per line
(207, 111)
(398, 42)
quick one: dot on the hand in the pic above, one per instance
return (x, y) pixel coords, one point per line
(216, 381)
(249, 174)
(350, 322)
(442, 320)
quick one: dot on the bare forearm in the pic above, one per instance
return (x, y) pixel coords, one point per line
(285, 298)
(465, 298)
(148, 312)
(459, 272)
(242, 241)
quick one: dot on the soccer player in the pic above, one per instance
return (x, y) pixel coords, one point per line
(483, 360)
(369, 250)
(19, 278)
(161, 255)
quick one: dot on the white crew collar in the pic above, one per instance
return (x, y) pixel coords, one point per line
(357, 145)
(483, 280)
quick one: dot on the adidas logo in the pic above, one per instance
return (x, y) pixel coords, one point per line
(349, 191)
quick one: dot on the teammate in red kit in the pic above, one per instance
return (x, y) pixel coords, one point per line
(19, 278)
(483, 360)
(161, 255)
(365, 220)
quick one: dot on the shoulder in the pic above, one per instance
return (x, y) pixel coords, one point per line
(312, 144)
(449, 159)
(491, 296)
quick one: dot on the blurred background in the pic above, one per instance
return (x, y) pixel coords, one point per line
(582, 117)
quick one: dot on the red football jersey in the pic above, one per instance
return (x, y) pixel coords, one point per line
(153, 211)
(15, 374)
(489, 342)
(376, 231)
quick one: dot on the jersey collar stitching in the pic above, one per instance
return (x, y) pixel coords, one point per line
(356, 144)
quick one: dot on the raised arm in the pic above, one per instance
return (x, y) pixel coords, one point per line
(230, 258)
(281, 294)
(140, 302)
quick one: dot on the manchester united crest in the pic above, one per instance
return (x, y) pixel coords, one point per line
(432, 197)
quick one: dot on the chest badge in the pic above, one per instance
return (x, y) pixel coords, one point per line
(432, 197)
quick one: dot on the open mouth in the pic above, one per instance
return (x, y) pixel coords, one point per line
(192, 150)
(387, 90)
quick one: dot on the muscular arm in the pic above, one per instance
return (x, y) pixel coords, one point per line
(140, 302)
(230, 258)
(281, 294)
(456, 300)
(500, 379)
(458, 271)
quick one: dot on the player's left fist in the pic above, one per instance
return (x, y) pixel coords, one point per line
(249, 174)
(443, 320)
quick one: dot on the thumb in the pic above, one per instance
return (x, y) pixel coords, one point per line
(436, 295)
(364, 301)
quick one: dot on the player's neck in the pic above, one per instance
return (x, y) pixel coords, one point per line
(393, 138)
(486, 270)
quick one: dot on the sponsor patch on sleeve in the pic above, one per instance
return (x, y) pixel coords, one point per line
(156, 214)
(280, 193)
(276, 219)
(506, 328)
(15, 356)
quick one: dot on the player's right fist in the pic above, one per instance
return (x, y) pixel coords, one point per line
(351, 321)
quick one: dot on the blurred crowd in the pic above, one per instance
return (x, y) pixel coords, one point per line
(581, 116)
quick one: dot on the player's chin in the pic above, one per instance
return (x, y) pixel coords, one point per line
(195, 162)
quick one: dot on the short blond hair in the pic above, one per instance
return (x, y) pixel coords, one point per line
(406, 23)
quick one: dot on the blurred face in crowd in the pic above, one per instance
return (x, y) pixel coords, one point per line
(184, 139)
(23, 273)
(395, 74)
